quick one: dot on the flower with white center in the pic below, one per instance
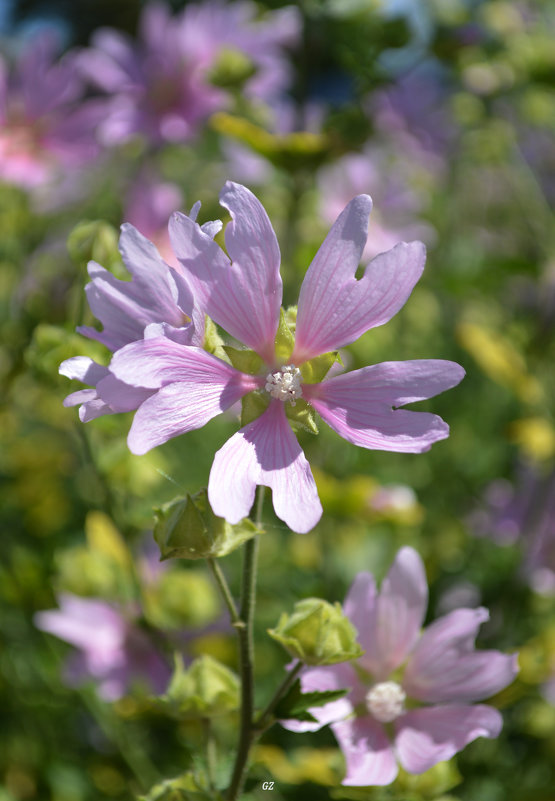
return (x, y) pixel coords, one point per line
(438, 671)
(285, 384)
(190, 386)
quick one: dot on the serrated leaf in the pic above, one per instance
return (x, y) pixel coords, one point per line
(253, 405)
(296, 703)
(247, 361)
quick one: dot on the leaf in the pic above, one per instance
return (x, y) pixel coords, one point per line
(296, 703)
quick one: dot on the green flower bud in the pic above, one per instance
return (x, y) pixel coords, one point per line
(206, 689)
(232, 69)
(317, 633)
(187, 528)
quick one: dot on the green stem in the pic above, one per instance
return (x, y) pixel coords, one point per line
(246, 657)
(264, 720)
(221, 581)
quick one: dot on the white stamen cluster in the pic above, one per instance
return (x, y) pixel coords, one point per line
(285, 384)
(385, 701)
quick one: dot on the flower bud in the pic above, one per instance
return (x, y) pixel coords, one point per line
(187, 528)
(206, 689)
(317, 633)
(94, 240)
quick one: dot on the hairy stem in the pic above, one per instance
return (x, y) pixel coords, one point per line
(264, 720)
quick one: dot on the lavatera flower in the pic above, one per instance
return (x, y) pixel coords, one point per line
(411, 694)
(190, 386)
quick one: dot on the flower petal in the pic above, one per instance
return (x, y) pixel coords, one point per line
(359, 405)
(427, 736)
(205, 387)
(367, 751)
(334, 307)
(329, 677)
(445, 667)
(156, 294)
(265, 452)
(243, 297)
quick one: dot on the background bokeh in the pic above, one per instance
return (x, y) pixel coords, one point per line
(443, 111)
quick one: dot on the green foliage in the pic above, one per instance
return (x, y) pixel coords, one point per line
(206, 689)
(296, 703)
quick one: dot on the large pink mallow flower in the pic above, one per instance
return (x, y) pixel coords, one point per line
(157, 301)
(160, 86)
(113, 650)
(411, 694)
(46, 129)
(243, 296)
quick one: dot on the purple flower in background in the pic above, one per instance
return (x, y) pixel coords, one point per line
(523, 514)
(45, 127)
(150, 202)
(190, 386)
(398, 187)
(160, 87)
(411, 694)
(157, 301)
(113, 650)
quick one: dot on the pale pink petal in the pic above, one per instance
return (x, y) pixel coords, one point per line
(334, 307)
(156, 294)
(86, 623)
(445, 667)
(361, 405)
(205, 387)
(265, 452)
(367, 750)
(243, 297)
(81, 368)
(430, 735)
(360, 607)
(329, 677)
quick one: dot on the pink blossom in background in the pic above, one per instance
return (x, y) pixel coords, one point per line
(150, 203)
(113, 650)
(157, 301)
(411, 694)
(190, 386)
(399, 187)
(523, 514)
(159, 87)
(46, 128)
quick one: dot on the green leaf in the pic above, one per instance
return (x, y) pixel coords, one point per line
(296, 703)
(284, 341)
(188, 787)
(301, 416)
(247, 361)
(316, 369)
(253, 405)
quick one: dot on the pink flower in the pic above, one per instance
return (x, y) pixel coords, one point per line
(410, 697)
(160, 87)
(157, 301)
(45, 127)
(114, 651)
(244, 296)
(150, 202)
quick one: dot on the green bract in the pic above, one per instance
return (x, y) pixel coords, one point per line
(187, 528)
(317, 633)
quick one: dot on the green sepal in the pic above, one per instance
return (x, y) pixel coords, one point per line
(206, 689)
(316, 369)
(253, 405)
(188, 787)
(247, 361)
(284, 341)
(317, 633)
(213, 343)
(187, 528)
(301, 416)
(296, 703)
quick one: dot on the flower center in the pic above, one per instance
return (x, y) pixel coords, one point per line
(285, 384)
(385, 701)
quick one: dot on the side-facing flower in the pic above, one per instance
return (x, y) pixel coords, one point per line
(244, 296)
(113, 650)
(157, 301)
(411, 693)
